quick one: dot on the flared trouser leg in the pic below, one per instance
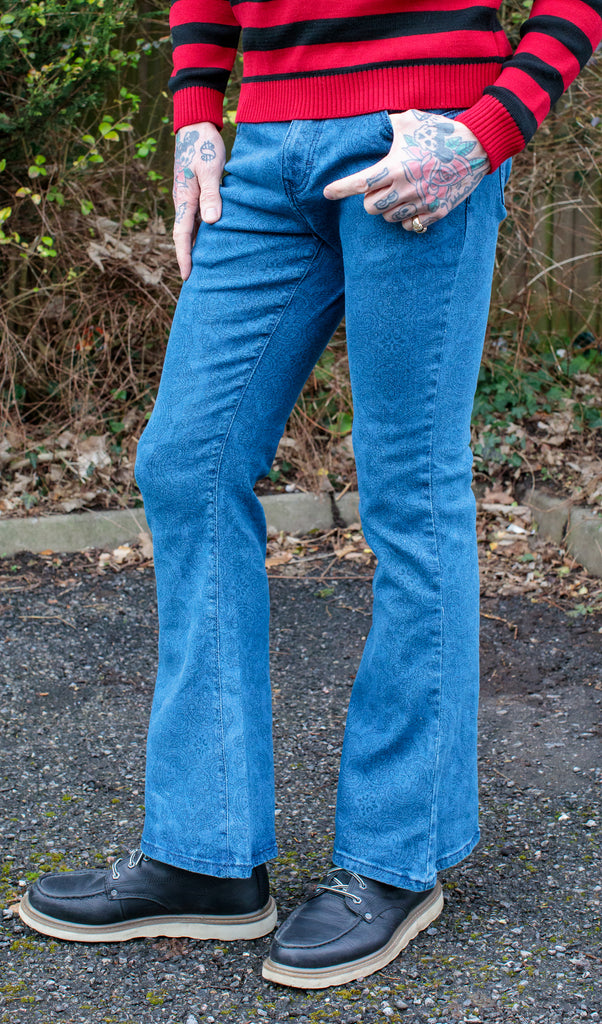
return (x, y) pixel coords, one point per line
(264, 296)
(408, 797)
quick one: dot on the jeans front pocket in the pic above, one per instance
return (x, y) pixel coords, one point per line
(503, 173)
(386, 125)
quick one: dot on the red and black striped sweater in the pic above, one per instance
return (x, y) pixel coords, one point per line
(356, 56)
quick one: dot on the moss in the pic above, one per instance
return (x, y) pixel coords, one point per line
(23, 944)
(11, 989)
(47, 860)
(156, 998)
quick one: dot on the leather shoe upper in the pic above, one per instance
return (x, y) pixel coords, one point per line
(141, 887)
(348, 917)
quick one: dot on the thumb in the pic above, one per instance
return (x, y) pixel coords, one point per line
(210, 201)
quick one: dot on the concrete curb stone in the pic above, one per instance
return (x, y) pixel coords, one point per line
(295, 513)
(576, 527)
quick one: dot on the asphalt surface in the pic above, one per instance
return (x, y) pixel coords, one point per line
(520, 938)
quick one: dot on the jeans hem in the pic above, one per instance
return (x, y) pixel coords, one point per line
(401, 879)
(207, 867)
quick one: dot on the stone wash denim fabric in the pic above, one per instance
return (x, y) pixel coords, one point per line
(270, 283)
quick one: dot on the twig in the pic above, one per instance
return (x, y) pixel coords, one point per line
(55, 618)
(498, 618)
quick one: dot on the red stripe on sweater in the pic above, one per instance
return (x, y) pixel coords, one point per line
(203, 55)
(376, 51)
(275, 12)
(217, 12)
(574, 11)
(527, 90)
(553, 52)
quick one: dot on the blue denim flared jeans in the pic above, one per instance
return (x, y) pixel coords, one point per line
(271, 280)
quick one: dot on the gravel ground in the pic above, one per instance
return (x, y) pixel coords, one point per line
(520, 938)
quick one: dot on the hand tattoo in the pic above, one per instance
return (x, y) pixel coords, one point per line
(439, 168)
(208, 151)
(387, 201)
(405, 212)
(180, 212)
(377, 177)
(184, 155)
(185, 146)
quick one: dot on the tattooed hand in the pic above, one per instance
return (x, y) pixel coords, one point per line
(199, 162)
(433, 164)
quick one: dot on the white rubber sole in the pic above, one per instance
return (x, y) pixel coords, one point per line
(340, 974)
(241, 926)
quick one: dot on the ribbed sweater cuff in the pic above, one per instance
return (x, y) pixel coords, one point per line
(197, 104)
(495, 129)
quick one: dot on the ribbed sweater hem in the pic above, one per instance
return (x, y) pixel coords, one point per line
(196, 104)
(425, 87)
(345, 94)
(495, 129)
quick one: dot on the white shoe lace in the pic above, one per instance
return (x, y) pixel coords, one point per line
(334, 884)
(135, 857)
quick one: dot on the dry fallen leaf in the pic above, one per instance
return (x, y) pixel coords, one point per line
(273, 560)
(122, 553)
(146, 544)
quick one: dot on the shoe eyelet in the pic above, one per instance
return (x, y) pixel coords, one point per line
(368, 917)
(113, 892)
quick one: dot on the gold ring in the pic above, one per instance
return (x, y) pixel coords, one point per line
(418, 226)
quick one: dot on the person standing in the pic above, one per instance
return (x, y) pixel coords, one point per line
(366, 179)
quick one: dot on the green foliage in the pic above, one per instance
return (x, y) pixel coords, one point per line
(55, 58)
(78, 146)
(521, 393)
(509, 396)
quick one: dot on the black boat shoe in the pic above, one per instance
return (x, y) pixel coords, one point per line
(350, 927)
(140, 897)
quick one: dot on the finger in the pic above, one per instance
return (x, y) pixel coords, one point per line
(425, 219)
(183, 235)
(210, 201)
(405, 211)
(363, 181)
(383, 200)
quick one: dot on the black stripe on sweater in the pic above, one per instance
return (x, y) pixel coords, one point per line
(564, 31)
(546, 76)
(374, 66)
(358, 30)
(520, 114)
(212, 78)
(205, 32)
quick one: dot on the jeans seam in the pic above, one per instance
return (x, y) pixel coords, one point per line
(436, 779)
(261, 856)
(362, 863)
(216, 534)
(286, 182)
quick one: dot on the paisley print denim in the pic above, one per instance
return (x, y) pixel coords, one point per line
(270, 283)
